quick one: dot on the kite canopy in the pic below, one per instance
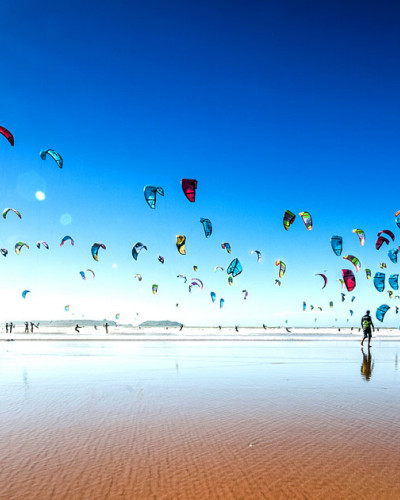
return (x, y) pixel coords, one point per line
(213, 296)
(246, 294)
(388, 232)
(380, 241)
(24, 293)
(288, 219)
(341, 282)
(95, 250)
(353, 260)
(189, 187)
(182, 276)
(154, 289)
(138, 276)
(83, 276)
(6, 210)
(221, 303)
(226, 246)
(4, 252)
(218, 267)
(42, 243)
(8, 135)
(161, 259)
(393, 255)
(181, 244)
(324, 278)
(282, 267)
(278, 282)
(306, 216)
(379, 281)
(304, 306)
(394, 281)
(258, 253)
(349, 279)
(381, 311)
(207, 226)
(66, 238)
(368, 273)
(230, 281)
(19, 245)
(56, 156)
(361, 236)
(337, 244)
(150, 194)
(234, 268)
(397, 218)
(137, 249)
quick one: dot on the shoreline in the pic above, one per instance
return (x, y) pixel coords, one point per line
(200, 334)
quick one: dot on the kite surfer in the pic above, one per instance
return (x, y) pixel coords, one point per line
(77, 328)
(26, 327)
(6, 327)
(366, 324)
(106, 327)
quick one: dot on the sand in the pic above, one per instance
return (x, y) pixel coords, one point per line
(182, 420)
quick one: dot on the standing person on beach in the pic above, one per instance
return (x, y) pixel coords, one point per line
(11, 326)
(26, 327)
(6, 327)
(106, 327)
(366, 324)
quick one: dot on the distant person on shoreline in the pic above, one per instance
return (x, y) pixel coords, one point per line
(264, 327)
(106, 327)
(6, 327)
(77, 328)
(26, 327)
(33, 325)
(11, 327)
(236, 329)
(366, 324)
(181, 328)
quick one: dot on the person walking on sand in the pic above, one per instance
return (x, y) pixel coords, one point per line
(77, 328)
(26, 327)
(366, 324)
(106, 327)
(11, 327)
(6, 327)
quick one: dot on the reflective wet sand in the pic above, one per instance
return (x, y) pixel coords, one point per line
(177, 420)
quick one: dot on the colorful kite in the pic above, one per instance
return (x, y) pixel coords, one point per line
(42, 243)
(379, 281)
(6, 210)
(66, 238)
(258, 253)
(306, 219)
(226, 246)
(288, 219)
(207, 226)
(393, 255)
(137, 248)
(234, 268)
(150, 195)
(394, 281)
(189, 187)
(282, 267)
(213, 296)
(324, 278)
(95, 250)
(353, 260)
(24, 293)
(381, 311)
(56, 156)
(19, 245)
(8, 135)
(349, 279)
(361, 236)
(180, 244)
(337, 244)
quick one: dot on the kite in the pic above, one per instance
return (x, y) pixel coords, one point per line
(226, 246)
(278, 282)
(393, 255)
(390, 293)
(218, 267)
(324, 278)
(194, 268)
(150, 195)
(351, 312)
(6, 210)
(349, 279)
(288, 219)
(138, 276)
(382, 265)
(90, 271)
(42, 243)
(137, 248)
(117, 316)
(19, 245)
(182, 276)
(337, 244)
(388, 232)
(354, 261)
(306, 219)
(82, 275)
(282, 267)
(381, 311)
(397, 218)
(161, 259)
(213, 296)
(197, 282)
(353, 298)
(361, 236)
(330, 304)
(66, 308)
(246, 293)
(304, 306)
(180, 244)
(24, 293)
(341, 281)
(95, 250)
(343, 296)
(8, 135)
(230, 281)
(207, 226)
(311, 307)
(4, 252)
(221, 303)
(319, 308)
(234, 268)
(379, 242)
(189, 187)
(379, 281)
(259, 256)
(66, 238)
(368, 273)
(154, 289)
(394, 281)
(56, 156)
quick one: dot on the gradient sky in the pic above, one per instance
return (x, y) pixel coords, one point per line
(269, 105)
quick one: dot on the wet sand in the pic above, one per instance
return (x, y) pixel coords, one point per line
(175, 420)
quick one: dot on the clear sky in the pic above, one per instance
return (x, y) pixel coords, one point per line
(269, 105)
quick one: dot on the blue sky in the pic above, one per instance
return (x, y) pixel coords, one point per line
(269, 105)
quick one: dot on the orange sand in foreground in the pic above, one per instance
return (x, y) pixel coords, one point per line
(171, 441)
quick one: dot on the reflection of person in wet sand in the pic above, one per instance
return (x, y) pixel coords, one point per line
(367, 365)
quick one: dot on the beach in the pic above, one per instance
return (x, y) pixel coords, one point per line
(199, 419)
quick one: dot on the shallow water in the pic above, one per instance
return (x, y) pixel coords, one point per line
(177, 420)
